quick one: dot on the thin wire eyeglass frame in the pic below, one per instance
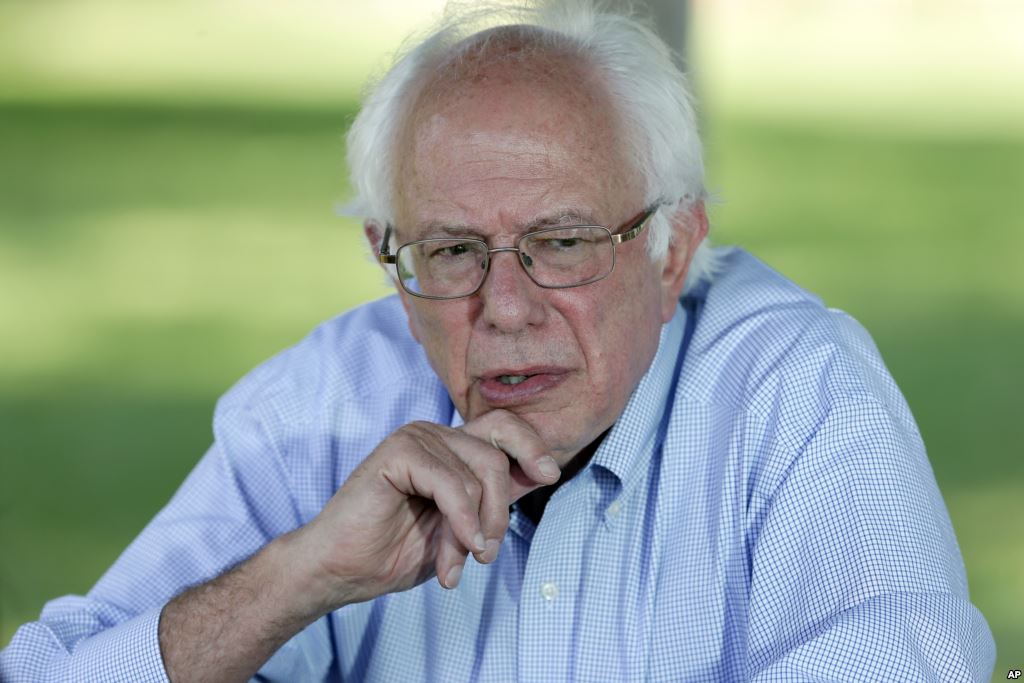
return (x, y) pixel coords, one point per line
(631, 230)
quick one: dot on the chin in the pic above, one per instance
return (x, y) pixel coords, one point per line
(564, 440)
(565, 435)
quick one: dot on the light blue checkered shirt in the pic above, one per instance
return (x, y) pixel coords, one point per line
(762, 510)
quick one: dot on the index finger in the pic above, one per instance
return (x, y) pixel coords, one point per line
(514, 436)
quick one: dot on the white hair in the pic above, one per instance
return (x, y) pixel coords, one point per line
(651, 95)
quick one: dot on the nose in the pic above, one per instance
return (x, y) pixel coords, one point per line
(510, 300)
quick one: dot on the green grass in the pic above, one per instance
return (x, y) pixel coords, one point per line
(150, 255)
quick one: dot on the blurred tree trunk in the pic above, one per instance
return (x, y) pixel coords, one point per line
(671, 20)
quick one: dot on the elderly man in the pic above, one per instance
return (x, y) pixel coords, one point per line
(667, 463)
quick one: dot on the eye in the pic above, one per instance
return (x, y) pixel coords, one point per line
(567, 242)
(560, 243)
(450, 251)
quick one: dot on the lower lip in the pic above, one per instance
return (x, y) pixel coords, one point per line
(501, 395)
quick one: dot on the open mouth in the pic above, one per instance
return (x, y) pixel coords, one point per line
(515, 387)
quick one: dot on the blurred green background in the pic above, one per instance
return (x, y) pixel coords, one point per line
(168, 177)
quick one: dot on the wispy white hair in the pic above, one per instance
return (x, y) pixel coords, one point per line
(650, 93)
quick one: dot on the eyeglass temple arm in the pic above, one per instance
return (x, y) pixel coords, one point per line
(384, 256)
(636, 229)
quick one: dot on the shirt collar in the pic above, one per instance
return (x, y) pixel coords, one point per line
(635, 430)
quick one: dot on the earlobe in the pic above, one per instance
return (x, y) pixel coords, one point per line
(689, 228)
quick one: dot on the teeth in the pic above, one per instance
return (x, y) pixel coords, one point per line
(511, 379)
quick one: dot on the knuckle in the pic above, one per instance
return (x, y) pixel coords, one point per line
(497, 463)
(407, 436)
(474, 489)
(502, 415)
(492, 418)
(448, 477)
(424, 438)
(418, 431)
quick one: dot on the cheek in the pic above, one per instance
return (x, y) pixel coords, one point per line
(605, 336)
(443, 338)
(630, 325)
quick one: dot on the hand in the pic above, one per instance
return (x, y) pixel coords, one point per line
(423, 499)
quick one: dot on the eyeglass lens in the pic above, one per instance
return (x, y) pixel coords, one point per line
(555, 257)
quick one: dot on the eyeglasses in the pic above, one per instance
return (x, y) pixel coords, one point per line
(554, 258)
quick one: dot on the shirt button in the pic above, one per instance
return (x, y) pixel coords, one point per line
(549, 590)
(614, 508)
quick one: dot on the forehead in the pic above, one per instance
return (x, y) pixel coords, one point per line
(511, 141)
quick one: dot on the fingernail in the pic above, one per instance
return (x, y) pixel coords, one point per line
(478, 542)
(548, 467)
(493, 546)
(452, 580)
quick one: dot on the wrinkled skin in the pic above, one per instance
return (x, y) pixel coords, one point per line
(495, 159)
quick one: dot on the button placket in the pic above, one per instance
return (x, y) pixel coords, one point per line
(547, 607)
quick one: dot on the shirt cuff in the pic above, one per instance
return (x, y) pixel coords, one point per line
(129, 651)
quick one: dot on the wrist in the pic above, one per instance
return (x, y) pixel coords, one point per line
(302, 577)
(226, 628)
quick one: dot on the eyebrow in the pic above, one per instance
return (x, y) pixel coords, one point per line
(565, 216)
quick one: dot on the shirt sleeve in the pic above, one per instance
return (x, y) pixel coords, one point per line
(855, 570)
(236, 500)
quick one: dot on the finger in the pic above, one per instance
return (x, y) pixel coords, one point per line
(450, 558)
(520, 483)
(423, 474)
(490, 467)
(514, 436)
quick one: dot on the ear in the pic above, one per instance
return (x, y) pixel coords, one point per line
(375, 235)
(374, 232)
(689, 227)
